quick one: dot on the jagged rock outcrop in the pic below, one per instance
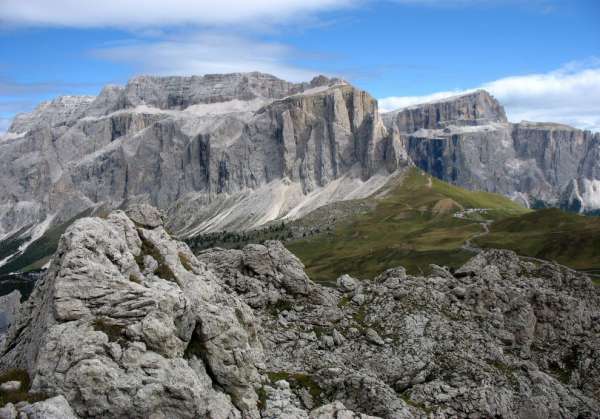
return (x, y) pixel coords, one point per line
(468, 141)
(217, 152)
(128, 322)
(502, 336)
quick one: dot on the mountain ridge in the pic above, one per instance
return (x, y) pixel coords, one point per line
(232, 152)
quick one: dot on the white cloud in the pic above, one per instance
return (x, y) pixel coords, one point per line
(569, 95)
(207, 53)
(145, 13)
(396, 102)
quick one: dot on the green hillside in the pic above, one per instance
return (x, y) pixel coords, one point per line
(415, 225)
(569, 239)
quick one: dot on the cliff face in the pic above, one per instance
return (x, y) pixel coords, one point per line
(250, 144)
(476, 108)
(467, 140)
(236, 151)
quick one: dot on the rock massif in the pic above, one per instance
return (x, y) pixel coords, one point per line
(235, 151)
(129, 323)
(219, 151)
(468, 141)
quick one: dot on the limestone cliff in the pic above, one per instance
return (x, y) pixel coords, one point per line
(467, 140)
(220, 151)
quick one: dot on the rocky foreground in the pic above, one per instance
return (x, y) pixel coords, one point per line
(128, 323)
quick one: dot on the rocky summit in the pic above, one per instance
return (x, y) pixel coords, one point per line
(129, 323)
(236, 151)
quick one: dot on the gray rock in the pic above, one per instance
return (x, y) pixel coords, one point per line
(236, 151)
(346, 283)
(145, 216)
(212, 152)
(8, 411)
(337, 410)
(10, 386)
(9, 306)
(373, 337)
(53, 408)
(165, 343)
(245, 333)
(466, 140)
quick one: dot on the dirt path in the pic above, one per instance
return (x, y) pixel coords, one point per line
(469, 246)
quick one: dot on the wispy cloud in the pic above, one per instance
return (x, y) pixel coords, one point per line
(207, 52)
(569, 95)
(11, 87)
(148, 13)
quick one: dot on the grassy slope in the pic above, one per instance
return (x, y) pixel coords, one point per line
(412, 226)
(569, 239)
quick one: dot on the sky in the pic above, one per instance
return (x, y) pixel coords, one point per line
(540, 58)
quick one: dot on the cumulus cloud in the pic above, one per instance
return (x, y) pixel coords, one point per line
(144, 13)
(569, 95)
(205, 53)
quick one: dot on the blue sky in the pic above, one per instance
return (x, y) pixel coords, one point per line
(541, 58)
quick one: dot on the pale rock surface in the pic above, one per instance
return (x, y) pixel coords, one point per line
(117, 342)
(53, 408)
(9, 306)
(467, 140)
(10, 386)
(245, 333)
(230, 151)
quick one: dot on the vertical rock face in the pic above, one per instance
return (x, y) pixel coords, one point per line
(192, 145)
(467, 140)
(234, 151)
(475, 108)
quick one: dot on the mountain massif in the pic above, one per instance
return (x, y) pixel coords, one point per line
(126, 321)
(236, 151)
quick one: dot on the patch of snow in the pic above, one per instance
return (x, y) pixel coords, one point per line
(521, 198)
(515, 165)
(231, 106)
(461, 129)
(11, 136)
(37, 232)
(590, 194)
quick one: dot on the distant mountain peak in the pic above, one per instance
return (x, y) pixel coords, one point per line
(477, 107)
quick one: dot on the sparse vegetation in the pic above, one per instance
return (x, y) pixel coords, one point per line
(408, 227)
(406, 397)
(21, 395)
(552, 234)
(414, 226)
(279, 306)
(112, 330)
(299, 381)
